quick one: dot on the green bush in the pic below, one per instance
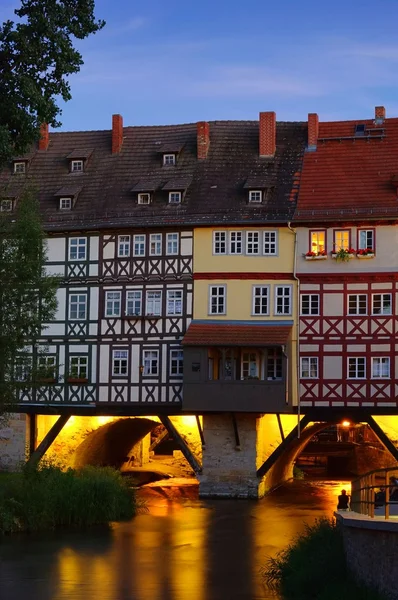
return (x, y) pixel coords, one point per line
(47, 497)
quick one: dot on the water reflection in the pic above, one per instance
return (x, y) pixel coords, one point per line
(181, 549)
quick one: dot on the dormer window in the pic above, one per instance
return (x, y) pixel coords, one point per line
(360, 129)
(144, 198)
(255, 196)
(65, 203)
(169, 160)
(174, 197)
(76, 166)
(6, 205)
(19, 168)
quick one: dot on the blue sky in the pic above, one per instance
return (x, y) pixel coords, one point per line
(175, 61)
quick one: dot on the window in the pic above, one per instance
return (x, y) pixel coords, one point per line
(255, 196)
(309, 367)
(76, 166)
(144, 198)
(250, 365)
(381, 304)
(77, 307)
(357, 304)
(65, 203)
(120, 362)
(174, 197)
(169, 160)
(6, 205)
(310, 304)
(176, 363)
(174, 302)
(155, 244)
(366, 239)
(78, 367)
(134, 303)
(217, 300)
(356, 368)
(260, 300)
(270, 248)
(341, 240)
(77, 248)
(283, 300)
(23, 368)
(235, 242)
(123, 245)
(151, 362)
(172, 243)
(318, 241)
(252, 242)
(381, 367)
(46, 367)
(274, 364)
(139, 245)
(19, 167)
(154, 303)
(219, 242)
(112, 304)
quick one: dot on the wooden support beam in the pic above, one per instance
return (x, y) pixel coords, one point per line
(159, 439)
(202, 437)
(32, 428)
(185, 449)
(383, 437)
(278, 417)
(236, 432)
(271, 460)
(48, 439)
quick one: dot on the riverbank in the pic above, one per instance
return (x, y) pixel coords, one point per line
(47, 498)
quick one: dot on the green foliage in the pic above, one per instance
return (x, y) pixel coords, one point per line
(36, 58)
(313, 567)
(46, 497)
(298, 473)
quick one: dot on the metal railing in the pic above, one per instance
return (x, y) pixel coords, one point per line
(371, 493)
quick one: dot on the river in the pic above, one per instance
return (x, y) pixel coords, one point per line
(180, 548)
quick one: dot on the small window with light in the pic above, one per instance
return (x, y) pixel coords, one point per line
(76, 166)
(6, 205)
(19, 168)
(174, 197)
(144, 198)
(65, 203)
(255, 196)
(169, 160)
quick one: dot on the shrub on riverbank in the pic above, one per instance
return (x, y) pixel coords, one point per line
(313, 567)
(46, 497)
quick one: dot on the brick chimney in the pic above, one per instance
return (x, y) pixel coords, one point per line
(267, 134)
(313, 131)
(380, 115)
(44, 137)
(117, 133)
(203, 139)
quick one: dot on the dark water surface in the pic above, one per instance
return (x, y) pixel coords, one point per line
(181, 549)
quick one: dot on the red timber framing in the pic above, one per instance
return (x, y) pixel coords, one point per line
(334, 336)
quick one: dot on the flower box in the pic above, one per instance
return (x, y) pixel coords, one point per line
(320, 257)
(347, 256)
(77, 380)
(370, 255)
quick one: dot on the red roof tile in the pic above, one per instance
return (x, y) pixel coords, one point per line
(224, 334)
(350, 177)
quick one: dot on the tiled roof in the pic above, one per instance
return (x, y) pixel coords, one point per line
(215, 195)
(350, 176)
(222, 334)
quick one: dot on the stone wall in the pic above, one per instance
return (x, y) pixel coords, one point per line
(13, 439)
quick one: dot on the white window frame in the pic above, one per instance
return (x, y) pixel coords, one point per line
(309, 367)
(250, 358)
(378, 361)
(81, 244)
(150, 360)
(356, 360)
(65, 203)
(123, 246)
(357, 304)
(139, 241)
(120, 362)
(219, 242)
(310, 311)
(23, 367)
(155, 302)
(172, 242)
(6, 205)
(113, 303)
(155, 243)
(271, 243)
(252, 243)
(169, 159)
(236, 242)
(217, 292)
(47, 362)
(80, 301)
(255, 196)
(77, 166)
(174, 300)
(175, 197)
(366, 246)
(383, 297)
(80, 366)
(134, 297)
(19, 165)
(176, 362)
(144, 198)
(260, 296)
(282, 296)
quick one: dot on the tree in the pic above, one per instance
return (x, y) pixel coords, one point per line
(36, 57)
(27, 294)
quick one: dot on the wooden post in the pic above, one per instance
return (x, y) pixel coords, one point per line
(202, 437)
(32, 440)
(45, 444)
(387, 504)
(182, 444)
